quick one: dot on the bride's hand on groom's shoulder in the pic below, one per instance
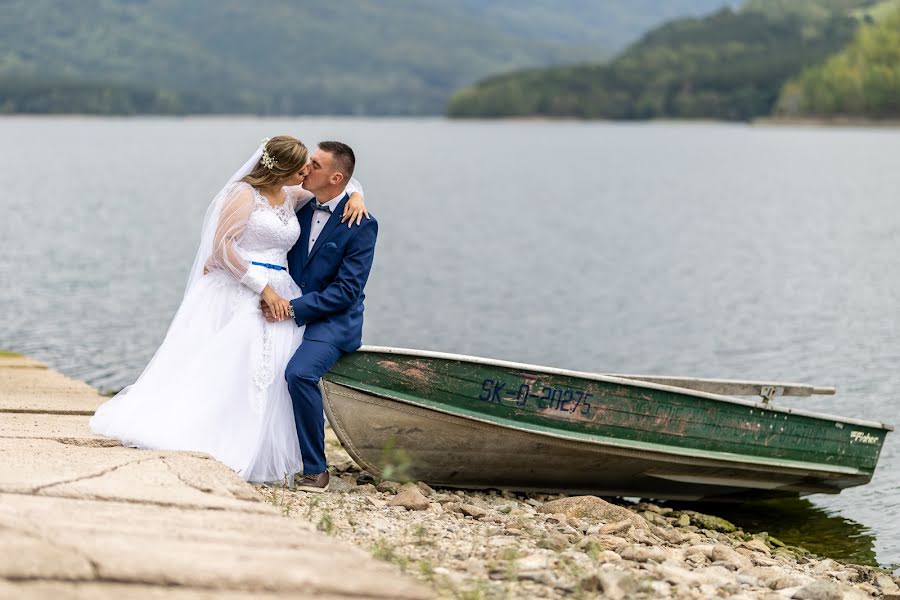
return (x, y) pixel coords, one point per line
(354, 210)
(274, 307)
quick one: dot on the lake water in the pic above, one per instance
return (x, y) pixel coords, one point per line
(691, 249)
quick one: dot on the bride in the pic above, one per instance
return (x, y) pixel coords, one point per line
(216, 383)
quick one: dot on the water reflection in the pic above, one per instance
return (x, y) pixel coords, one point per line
(798, 522)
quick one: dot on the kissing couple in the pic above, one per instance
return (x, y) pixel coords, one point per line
(274, 299)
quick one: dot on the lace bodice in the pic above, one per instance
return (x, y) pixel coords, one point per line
(271, 230)
(249, 230)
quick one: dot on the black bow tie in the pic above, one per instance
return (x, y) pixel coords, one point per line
(317, 206)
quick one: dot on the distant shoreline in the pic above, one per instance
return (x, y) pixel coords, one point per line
(811, 122)
(828, 122)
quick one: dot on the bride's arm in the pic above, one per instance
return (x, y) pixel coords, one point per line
(298, 196)
(354, 210)
(226, 253)
(355, 207)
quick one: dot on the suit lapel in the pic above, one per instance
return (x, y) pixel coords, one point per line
(330, 225)
(305, 218)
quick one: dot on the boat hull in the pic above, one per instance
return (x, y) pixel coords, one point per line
(453, 429)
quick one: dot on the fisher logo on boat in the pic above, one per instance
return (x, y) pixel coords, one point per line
(555, 398)
(863, 438)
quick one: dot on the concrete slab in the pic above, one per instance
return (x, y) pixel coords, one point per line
(83, 517)
(12, 361)
(188, 548)
(62, 590)
(42, 390)
(50, 468)
(66, 428)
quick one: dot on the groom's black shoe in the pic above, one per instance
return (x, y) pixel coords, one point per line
(314, 482)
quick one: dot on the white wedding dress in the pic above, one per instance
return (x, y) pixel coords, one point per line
(216, 384)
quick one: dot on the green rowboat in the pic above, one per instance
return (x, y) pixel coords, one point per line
(462, 421)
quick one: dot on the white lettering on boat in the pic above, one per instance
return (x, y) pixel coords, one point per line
(863, 437)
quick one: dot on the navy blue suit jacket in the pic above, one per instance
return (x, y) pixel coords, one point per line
(332, 277)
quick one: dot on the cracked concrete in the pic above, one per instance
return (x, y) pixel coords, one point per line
(83, 517)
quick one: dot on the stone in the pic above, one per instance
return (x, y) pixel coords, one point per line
(696, 559)
(593, 509)
(729, 558)
(644, 554)
(612, 584)
(364, 488)
(615, 542)
(608, 556)
(554, 541)
(591, 541)
(669, 534)
(410, 498)
(710, 522)
(340, 485)
(819, 590)
(786, 580)
(391, 487)
(655, 518)
(757, 546)
(531, 564)
(472, 511)
(616, 528)
(425, 489)
(886, 583)
(376, 502)
(715, 575)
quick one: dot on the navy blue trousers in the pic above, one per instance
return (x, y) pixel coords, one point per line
(311, 361)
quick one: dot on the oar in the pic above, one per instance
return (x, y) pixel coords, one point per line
(733, 387)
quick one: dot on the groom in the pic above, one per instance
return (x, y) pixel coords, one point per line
(331, 263)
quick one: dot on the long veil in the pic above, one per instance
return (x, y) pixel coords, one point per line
(207, 233)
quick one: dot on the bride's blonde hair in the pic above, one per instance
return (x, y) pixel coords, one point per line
(282, 156)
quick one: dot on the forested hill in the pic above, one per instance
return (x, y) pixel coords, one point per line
(731, 64)
(294, 56)
(862, 81)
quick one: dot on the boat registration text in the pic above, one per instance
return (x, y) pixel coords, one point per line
(543, 397)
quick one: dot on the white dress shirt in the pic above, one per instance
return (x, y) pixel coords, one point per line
(320, 217)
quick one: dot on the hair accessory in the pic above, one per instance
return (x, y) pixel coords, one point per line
(267, 159)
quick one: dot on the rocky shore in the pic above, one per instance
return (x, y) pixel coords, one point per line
(492, 544)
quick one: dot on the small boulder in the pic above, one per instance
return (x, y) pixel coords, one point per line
(757, 545)
(391, 487)
(729, 558)
(593, 509)
(886, 583)
(710, 522)
(426, 489)
(364, 488)
(616, 528)
(341, 485)
(554, 541)
(820, 590)
(644, 554)
(472, 511)
(410, 498)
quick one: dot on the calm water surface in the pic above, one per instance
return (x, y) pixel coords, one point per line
(695, 249)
